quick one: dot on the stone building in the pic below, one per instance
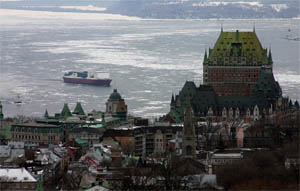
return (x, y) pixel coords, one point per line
(90, 135)
(37, 133)
(145, 140)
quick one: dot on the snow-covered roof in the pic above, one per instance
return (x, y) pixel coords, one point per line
(4, 151)
(15, 175)
(227, 155)
(98, 188)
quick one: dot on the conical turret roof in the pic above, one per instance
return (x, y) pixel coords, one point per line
(78, 109)
(66, 111)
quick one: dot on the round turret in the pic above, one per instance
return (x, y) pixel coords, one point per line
(115, 96)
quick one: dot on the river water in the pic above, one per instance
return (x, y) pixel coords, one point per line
(148, 60)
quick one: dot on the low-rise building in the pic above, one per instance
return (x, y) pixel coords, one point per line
(12, 150)
(90, 135)
(16, 179)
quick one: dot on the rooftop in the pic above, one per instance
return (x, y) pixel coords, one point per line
(16, 175)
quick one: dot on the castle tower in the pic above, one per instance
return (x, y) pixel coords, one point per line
(233, 66)
(189, 137)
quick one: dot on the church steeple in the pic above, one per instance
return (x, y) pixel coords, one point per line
(189, 137)
(188, 119)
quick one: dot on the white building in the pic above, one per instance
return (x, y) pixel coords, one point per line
(16, 179)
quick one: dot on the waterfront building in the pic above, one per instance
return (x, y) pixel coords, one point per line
(238, 82)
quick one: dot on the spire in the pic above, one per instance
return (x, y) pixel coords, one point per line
(188, 118)
(78, 109)
(221, 26)
(172, 100)
(205, 57)
(270, 60)
(66, 111)
(254, 27)
(46, 115)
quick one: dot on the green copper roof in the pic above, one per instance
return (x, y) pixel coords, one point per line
(267, 85)
(237, 44)
(78, 109)
(81, 142)
(39, 127)
(66, 111)
(115, 96)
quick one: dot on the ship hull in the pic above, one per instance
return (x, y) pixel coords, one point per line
(95, 82)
